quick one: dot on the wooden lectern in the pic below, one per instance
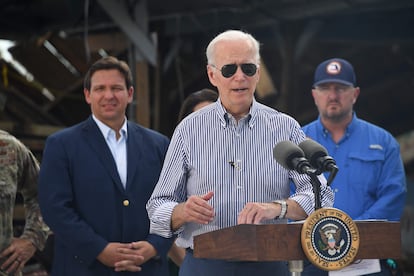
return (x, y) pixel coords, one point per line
(282, 242)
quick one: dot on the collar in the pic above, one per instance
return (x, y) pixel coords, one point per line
(225, 116)
(106, 130)
(349, 129)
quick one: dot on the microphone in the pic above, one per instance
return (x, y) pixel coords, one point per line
(292, 157)
(319, 158)
(317, 155)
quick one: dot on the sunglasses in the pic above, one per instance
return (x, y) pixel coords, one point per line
(228, 70)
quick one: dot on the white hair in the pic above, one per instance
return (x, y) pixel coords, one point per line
(232, 35)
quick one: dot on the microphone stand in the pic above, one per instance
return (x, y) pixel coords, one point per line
(296, 266)
(316, 186)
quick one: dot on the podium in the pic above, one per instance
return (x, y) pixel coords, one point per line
(282, 242)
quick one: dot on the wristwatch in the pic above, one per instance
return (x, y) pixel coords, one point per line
(283, 209)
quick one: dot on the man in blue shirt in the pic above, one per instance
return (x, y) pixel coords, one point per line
(370, 183)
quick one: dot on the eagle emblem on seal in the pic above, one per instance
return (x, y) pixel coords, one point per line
(331, 239)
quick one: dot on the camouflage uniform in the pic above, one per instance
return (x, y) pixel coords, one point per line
(18, 173)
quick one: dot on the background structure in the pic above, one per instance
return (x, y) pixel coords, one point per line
(55, 41)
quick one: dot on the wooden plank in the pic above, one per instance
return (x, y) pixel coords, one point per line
(276, 242)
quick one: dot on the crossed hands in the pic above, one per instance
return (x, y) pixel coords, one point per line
(127, 256)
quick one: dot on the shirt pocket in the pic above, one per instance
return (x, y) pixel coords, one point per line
(366, 168)
(367, 156)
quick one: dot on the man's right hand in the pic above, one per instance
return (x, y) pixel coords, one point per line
(195, 209)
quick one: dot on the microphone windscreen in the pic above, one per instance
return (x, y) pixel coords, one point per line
(313, 150)
(284, 152)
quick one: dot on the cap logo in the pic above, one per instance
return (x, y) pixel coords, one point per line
(333, 68)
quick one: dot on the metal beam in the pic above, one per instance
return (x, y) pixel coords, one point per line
(138, 37)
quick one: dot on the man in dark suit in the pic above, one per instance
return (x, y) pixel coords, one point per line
(95, 180)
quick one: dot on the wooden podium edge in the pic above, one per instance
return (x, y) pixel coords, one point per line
(278, 242)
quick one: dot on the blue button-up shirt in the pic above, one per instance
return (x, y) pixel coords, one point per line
(210, 151)
(370, 183)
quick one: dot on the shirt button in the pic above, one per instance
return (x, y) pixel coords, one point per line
(126, 202)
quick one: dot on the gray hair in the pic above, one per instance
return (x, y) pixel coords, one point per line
(232, 35)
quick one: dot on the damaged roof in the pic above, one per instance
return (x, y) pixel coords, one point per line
(56, 41)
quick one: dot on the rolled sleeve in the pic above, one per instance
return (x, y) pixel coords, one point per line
(161, 219)
(306, 198)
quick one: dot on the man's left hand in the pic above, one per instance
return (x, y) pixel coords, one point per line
(256, 212)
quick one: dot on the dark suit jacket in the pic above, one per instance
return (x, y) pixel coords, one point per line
(85, 204)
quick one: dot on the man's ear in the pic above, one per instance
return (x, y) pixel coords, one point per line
(211, 76)
(87, 94)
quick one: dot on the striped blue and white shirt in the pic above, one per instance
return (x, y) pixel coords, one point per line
(210, 151)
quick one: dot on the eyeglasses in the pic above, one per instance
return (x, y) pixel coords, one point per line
(228, 70)
(340, 89)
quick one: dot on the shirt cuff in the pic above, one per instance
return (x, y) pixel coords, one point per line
(161, 220)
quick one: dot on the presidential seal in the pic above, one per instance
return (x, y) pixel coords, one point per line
(330, 239)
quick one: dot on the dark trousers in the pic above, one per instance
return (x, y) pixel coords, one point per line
(209, 267)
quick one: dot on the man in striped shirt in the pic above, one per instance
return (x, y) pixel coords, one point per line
(219, 170)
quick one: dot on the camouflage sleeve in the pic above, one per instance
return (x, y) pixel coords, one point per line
(35, 229)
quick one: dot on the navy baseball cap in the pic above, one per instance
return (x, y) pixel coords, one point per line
(335, 70)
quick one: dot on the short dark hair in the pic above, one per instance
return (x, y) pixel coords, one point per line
(108, 63)
(203, 95)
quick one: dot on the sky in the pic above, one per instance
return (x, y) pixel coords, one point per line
(4, 53)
